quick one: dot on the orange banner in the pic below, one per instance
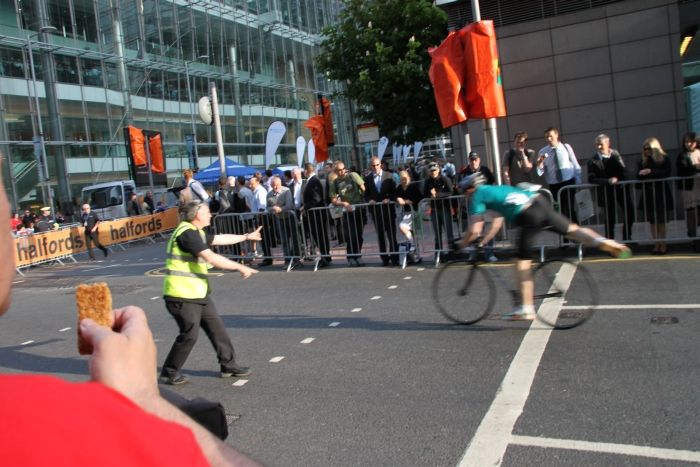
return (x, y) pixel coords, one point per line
(155, 147)
(484, 87)
(447, 77)
(37, 248)
(317, 126)
(137, 141)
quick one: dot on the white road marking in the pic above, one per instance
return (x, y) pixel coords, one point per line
(17, 282)
(101, 267)
(240, 382)
(155, 298)
(420, 269)
(391, 287)
(276, 359)
(355, 310)
(491, 439)
(376, 297)
(633, 307)
(407, 278)
(334, 324)
(27, 343)
(308, 340)
(610, 448)
(64, 329)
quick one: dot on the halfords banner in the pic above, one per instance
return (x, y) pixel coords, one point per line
(46, 246)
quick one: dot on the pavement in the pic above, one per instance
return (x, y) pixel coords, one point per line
(354, 366)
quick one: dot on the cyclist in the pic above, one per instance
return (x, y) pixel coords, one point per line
(532, 213)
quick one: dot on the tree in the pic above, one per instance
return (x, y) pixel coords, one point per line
(380, 49)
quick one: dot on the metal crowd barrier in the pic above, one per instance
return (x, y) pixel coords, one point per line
(638, 211)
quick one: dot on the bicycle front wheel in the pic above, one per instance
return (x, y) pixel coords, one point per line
(463, 293)
(565, 293)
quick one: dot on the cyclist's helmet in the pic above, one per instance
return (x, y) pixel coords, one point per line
(472, 181)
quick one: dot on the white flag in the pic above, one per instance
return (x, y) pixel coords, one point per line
(312, 151)
(381, 146)
(301, 147)
(275, 133)
(417, 146)
(406, 150)
(442, 149)
(395, 153)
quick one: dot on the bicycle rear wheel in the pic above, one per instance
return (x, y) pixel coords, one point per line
(565, 293)
(463, 293)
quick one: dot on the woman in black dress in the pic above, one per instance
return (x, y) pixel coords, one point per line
(657, 200)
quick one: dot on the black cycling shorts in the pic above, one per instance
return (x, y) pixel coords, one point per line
(536, 217)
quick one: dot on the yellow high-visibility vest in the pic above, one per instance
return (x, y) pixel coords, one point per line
(185, 274)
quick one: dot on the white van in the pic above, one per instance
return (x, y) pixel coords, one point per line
(109, 199)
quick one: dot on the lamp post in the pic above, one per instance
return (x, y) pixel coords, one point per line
(189, 98)
(44, 174)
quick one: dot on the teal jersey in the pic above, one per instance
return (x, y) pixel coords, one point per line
(506, 200)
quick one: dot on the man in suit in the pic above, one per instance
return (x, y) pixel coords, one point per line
(280, 203)
(605, 169)
(314, 202)
(380, 192)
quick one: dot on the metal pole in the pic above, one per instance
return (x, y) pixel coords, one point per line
(189, 99)
(44, 176)
(217, 127)
(490, 126)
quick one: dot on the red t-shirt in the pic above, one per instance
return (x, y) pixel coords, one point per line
(47, 421)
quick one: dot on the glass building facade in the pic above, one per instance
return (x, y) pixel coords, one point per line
(100, 65)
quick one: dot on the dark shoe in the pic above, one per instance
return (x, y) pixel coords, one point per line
(323, 264)
(297, 264)
(105, 252)
(359, 263)
(235, 372)
(174, 380)
(266, 262)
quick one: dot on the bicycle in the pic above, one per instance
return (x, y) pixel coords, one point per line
(565, 292)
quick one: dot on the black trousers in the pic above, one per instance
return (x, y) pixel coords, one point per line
(91, 237)
(567, 204)
(316, 223)
(353, 225)
(384, 217)
(620, 197)
(189, 317)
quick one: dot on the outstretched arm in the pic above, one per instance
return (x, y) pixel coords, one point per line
(125, 360)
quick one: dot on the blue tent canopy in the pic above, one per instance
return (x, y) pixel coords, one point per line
(233, 169)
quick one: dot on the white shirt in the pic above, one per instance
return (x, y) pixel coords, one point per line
(259, 199)
(247, 195)
(296, 185)
(568, 164)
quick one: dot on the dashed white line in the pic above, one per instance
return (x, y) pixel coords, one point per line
(308, 340)
(355, 310)
(64, 329)
(334, 324)
(376, 297)
(420, 269)
(391, 287)
(26, 343)
(634, 307)
(407, 278)
(17, 282)
(276, 359)
(240, 382)
(155, 298)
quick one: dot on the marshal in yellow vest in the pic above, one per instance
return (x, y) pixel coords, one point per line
(185, 274)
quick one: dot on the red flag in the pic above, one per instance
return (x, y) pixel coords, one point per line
(484, 87)
(138, 150)
(447, 77)
(155, 147)
(327, 121)
(317, 126)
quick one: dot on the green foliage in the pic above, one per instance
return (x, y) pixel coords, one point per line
(380, 49)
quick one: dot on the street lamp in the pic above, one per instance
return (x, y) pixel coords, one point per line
(189, 98)
(44, 174)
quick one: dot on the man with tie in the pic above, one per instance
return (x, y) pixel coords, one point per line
(557, 162)
(314, 202)
(380, 192)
